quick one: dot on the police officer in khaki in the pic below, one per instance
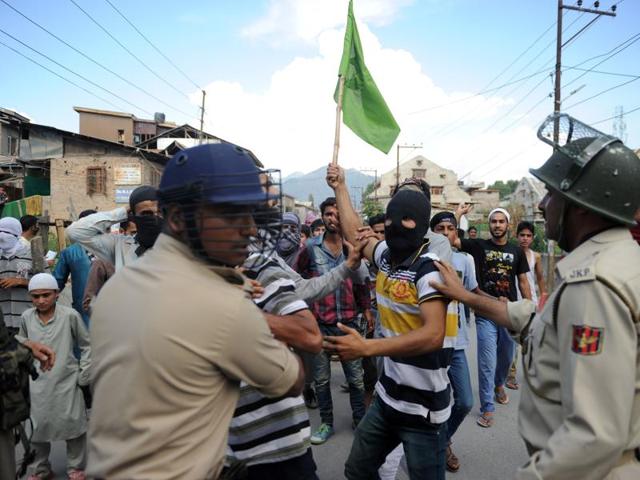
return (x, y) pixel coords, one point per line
(580, 405)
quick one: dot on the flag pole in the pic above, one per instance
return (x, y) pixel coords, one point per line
(336, 141)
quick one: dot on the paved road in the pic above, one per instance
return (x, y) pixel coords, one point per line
(485, 454)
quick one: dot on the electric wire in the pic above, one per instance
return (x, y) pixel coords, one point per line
(635, 109)
(602, 93)
(153, 46)
(140, 61)
(76, 74)
(60, 76)
(95, 62)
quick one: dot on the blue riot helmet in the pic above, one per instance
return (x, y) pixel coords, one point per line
(221, 194)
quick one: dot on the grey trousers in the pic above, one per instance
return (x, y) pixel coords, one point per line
(7, 455)
(76, 455)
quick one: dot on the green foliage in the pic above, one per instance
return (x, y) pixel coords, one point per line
(505, 188)
(369, 206)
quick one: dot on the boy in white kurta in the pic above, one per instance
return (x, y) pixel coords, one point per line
(58, 410)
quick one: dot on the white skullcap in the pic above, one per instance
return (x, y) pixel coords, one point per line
(500, 210)
(43, 281)
(11, 225)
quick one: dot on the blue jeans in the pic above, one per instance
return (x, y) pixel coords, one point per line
(382, 429)
(462, 394)
(495, 353)
(322, 377)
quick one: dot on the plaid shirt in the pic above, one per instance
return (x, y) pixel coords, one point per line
(347, 301)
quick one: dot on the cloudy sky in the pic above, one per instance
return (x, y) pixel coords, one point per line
(469, 80)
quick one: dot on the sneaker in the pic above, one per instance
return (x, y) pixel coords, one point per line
(322, 434)
(310, 399)
(77, 475)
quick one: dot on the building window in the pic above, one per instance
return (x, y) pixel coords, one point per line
(96, 180)
(436, 190)
(12, 146)
(418, 173)
(120, 136)
(155, 177)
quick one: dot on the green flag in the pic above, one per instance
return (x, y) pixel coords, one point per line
(364, 110)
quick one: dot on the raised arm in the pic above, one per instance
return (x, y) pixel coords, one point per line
(349, 220)
(88, 232)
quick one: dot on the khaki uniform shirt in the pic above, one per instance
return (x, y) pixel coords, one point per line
(580, 404)
(171, 340)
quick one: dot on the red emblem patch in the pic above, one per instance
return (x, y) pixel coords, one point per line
(587, 340)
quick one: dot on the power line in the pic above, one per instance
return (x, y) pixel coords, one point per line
(505, 115)
(76, 74)
(152, 45)
(140, 61)
(630, 41)
(611, 118)
(60, 76)
(482, 92)
(603, 92)
(127, 81)
(450, 130)
(616, 74)
(625, 44)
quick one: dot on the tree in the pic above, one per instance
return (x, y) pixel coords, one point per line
(505, 188)
(369, 206)
(311, 199)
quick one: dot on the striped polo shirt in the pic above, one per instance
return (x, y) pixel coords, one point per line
(16, 300)
(417, 385)
(269, 430)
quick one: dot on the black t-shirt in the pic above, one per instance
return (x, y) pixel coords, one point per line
(496, 266)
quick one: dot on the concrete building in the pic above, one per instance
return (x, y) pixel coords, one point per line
(71, 171)
(120, 127)
(528, 195)
(484, 199)
(445, 191)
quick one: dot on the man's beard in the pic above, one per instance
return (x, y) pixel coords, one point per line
(496, 236)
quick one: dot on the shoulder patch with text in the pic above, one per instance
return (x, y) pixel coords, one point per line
(587, 340)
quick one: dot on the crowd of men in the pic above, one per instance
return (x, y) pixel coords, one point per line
(205, 322)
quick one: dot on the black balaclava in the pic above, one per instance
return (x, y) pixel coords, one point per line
(149, 226)
(402, 241)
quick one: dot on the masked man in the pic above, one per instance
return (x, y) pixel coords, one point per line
(120, 250)
(413, 400)
(288, 246)
(15, 271)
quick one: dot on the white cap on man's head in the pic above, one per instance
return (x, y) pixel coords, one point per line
(43, 281)
(500, 210)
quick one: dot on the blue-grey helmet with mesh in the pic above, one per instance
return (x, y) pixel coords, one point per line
(225, 176)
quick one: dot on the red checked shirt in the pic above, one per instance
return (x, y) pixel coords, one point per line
(346, 302)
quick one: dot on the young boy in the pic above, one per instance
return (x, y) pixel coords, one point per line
(57, 406)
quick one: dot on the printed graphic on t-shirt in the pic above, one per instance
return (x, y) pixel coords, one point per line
(499, 274)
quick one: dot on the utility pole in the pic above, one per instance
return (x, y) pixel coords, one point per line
(201, 136)
(557, 98)
(398, 147)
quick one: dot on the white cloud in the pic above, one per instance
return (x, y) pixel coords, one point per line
(290, 125)
(307, 19)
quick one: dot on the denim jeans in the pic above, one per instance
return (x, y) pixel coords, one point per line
(322, 377)
(495, 353)
(382, 429)
(462, 394)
